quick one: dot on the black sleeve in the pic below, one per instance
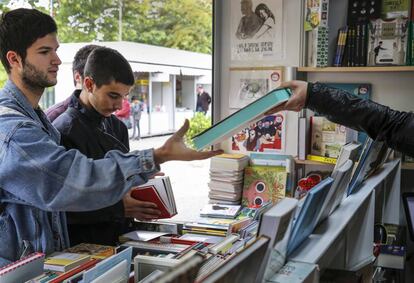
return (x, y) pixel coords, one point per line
(380, 122)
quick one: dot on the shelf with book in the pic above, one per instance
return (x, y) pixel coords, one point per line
(340, 236)
(356, 69)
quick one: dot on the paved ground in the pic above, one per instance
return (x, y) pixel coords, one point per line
(189, 180)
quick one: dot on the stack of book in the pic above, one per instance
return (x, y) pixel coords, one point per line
(226, 178)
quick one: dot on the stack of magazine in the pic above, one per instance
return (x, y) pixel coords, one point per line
(226, 178)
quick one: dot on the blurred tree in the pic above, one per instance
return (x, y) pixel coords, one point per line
(182, 24)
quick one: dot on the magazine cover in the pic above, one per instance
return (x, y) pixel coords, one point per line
(249, 84)
(256, 30)
(267, 134)
(263, 184)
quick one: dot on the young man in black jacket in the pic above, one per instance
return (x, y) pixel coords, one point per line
(89, 126)
(395, 128)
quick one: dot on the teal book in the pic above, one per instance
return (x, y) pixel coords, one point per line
(236, 121)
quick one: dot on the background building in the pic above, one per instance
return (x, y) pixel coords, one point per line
(165, 81)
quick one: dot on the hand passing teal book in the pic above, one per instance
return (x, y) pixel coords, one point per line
(236, 121)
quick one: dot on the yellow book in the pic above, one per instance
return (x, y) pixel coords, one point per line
(62, 261)
(321, 159)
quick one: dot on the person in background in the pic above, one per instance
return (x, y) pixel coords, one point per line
(124, 113)
(395, 128)
(203, 100)
(39, 179)
(89, 126)
(78, 66)
(136, 110)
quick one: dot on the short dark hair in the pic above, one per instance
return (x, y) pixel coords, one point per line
(80, 58)
(20, 28)
(105, 65)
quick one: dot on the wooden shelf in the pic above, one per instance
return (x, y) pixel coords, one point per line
(357, 69)
(407, 166)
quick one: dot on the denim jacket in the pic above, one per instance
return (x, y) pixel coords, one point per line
(40, 179)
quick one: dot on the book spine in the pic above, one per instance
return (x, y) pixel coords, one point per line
(322, 159)
(412, 42)
(321, 51)
(336, 61)
(343, 44)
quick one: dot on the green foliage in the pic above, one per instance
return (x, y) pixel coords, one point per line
(198, 123)
(3, 76)
(181, 24)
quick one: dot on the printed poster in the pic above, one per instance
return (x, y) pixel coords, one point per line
(256, 30)
(267, 134)
(247, 85)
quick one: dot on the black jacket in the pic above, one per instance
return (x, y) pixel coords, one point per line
(380, 122)
(93, 135)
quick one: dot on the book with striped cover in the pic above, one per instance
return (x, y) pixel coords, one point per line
(22, 270)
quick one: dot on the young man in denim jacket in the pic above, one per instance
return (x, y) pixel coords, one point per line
(38, 178)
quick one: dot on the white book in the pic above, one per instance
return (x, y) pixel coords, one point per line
(275, 224)
(342, 177)
(348, 151)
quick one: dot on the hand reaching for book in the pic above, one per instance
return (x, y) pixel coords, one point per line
(142, 210)
(298, 99)
(175, 149)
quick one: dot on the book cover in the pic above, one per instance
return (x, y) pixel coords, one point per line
(392, 9)
(220, 210)
(306, 220)
(263, 184)
(266, 134)
(94, 250)
(362, 11)
(275, 224)
(158, 191)
(63, 261)
(236, 121)
(372, 157)
(327, 138)
(387, 43)
(108, 264)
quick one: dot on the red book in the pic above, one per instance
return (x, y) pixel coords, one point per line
(158, 191)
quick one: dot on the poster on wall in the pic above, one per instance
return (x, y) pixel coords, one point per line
(256, 30)
(249, 84)
(267, 134)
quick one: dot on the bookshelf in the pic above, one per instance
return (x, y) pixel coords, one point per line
(356, 69)
(407, 166)
(344, 240)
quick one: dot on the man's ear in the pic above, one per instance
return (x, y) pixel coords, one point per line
(88, 84)
(15, 61)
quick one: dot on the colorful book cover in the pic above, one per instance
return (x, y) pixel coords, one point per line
(267, 133)
(263, 184)
(392, 9)
(387, 44)
(327, 138)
